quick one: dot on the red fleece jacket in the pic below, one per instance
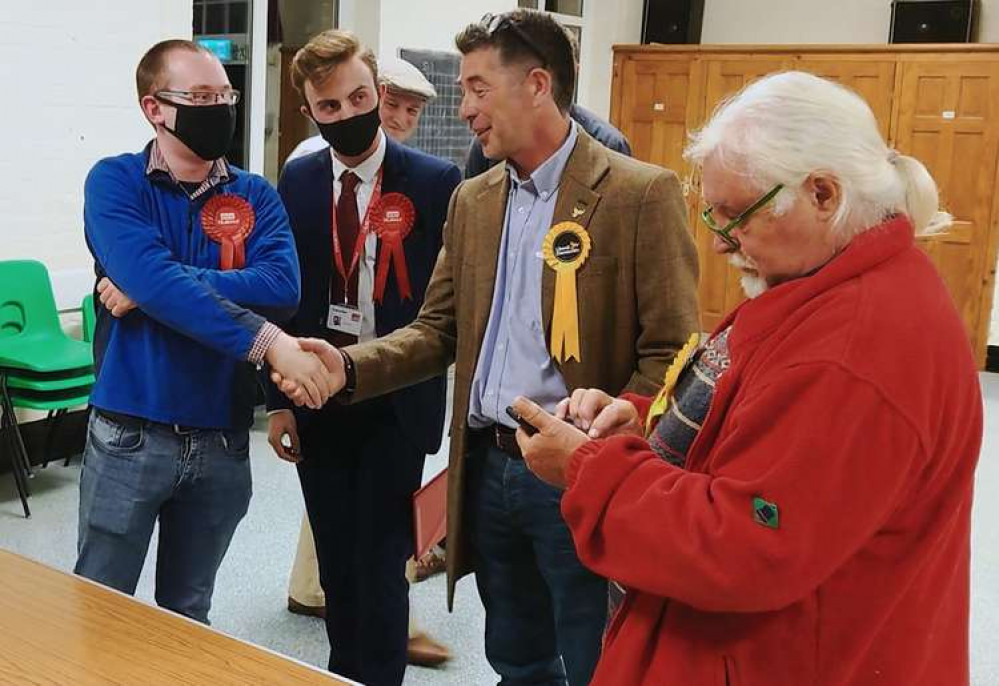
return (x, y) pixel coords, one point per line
(852, 404)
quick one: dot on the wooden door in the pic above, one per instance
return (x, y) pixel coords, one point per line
(945, 112)
(655, 110)
(719, 290)
(873, 80)
(726, 76)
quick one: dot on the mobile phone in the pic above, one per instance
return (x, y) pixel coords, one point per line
(528, 428)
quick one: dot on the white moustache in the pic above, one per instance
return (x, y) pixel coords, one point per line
(741, 262)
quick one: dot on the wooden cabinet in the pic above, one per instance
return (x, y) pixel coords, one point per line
(659, 109)
(937, 103)
(947, 119)
(873, 79)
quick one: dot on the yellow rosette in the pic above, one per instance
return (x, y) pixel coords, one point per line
(566, 247)
(661, 403)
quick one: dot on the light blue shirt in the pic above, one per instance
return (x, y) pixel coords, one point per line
(514, 359)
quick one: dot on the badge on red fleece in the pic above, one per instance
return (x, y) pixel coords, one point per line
(765, 513)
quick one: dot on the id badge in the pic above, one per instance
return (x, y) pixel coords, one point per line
(345, 319)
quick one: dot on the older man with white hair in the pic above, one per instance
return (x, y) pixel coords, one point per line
(792, 508)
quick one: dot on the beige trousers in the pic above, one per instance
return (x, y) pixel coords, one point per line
(304, 587)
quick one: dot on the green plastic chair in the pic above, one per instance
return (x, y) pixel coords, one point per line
(11, 435)
(61, 392)
(70, 378)
(41, 367)
(31, 337)
(49, 384)
(89, 317)
(56, 401)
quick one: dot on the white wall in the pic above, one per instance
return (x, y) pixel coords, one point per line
(796, 21)
(257, 102)
(67, 71)
(430, 24)
(814, 21)
(605, 24)
(364, 17)
(433, 24)
(988, 32)
(988, 21)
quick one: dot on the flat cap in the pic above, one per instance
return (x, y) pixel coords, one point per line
(399, 75)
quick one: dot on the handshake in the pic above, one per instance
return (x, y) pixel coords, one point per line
(307, 370)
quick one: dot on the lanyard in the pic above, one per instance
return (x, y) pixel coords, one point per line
(362, 235)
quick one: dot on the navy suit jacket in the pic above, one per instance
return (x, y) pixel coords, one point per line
(306, 187)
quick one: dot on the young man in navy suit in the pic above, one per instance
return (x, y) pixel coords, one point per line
(368, 216)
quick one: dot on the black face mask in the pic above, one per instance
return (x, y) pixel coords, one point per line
(351, 137)
(207, 130)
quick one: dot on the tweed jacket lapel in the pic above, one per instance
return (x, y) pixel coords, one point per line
(577, 201)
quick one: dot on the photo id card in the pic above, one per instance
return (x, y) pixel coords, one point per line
(345, 319)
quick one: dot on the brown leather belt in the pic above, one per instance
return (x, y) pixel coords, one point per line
(501, 437)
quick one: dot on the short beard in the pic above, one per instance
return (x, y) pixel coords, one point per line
(752, 286)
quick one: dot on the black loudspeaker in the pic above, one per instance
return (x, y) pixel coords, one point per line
(932, 21)
(672, 21)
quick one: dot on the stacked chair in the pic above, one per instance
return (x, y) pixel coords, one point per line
(41, 368)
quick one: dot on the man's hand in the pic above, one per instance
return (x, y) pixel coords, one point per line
(113, 299)
(295, 366)
(600, 414)
(332, 362)
(547, 452)
(280, 424)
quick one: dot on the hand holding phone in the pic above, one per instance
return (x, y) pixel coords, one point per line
(547, 444)
(528, 428)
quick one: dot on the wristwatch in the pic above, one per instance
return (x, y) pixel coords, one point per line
(350, 374)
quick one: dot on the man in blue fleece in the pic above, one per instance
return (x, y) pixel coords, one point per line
(192, 256)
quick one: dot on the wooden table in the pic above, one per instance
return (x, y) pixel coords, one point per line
(60, 629)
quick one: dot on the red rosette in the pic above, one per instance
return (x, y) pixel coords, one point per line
(228, 220)
(392, 218)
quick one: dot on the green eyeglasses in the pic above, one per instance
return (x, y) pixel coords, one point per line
(725, 232)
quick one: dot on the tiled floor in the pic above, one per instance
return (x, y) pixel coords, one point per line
(252, 586)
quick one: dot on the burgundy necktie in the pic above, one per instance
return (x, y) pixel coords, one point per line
(348, 226)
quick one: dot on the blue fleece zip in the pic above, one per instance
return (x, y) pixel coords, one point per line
(180, 358)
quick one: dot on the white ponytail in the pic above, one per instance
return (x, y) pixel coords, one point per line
(922, 201)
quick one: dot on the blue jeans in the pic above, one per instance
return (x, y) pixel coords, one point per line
(545, 612)
(196, 482)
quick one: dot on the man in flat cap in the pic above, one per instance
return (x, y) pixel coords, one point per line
(405, 92)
